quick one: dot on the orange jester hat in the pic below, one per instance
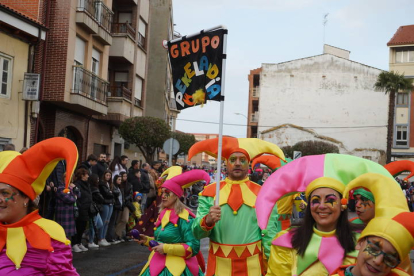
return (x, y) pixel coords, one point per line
(28, 172)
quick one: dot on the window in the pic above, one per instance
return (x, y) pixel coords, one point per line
(402, 98)
(80, 51)
(402, 134)
(3, 142)
(142, 30)
(404, 54)
(6, 75)
(138, 90)
(96, 57)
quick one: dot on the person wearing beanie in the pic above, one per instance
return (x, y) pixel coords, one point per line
(389, 237)
(325, 239)
(30, 244)
(177, 250)
(237, 246)
(137, 205)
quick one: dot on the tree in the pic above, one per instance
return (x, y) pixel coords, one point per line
(392, 82)
(314, 147)
(185, 140)
(147, 133)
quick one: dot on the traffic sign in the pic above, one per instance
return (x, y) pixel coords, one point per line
(297, 154)
(171, 144)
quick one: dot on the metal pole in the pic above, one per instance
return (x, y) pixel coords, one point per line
(171, 142)
(220, 140)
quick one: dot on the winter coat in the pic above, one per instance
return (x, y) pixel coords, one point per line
(145, 181)
(135, 181)
(99, 168)
(97, 197)
(116, 192)
(84, 201)
(106, 193)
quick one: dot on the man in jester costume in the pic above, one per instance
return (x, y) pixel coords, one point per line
(389, 237)
(30, 244)
(235, 238)
(176, 247)
(325, 239)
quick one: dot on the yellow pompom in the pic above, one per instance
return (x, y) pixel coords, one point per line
(176, 225)
(199, 97)
(155, 228)
(234, 212)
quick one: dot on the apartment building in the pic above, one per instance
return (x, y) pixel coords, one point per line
(21, 34)
(320, 98)
(401, 60)
(201, 159)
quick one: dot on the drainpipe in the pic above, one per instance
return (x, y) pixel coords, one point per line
(43, 70)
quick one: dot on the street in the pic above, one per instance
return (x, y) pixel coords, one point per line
(127, 258)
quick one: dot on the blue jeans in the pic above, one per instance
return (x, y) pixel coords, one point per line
(97, 222)
(106, 213)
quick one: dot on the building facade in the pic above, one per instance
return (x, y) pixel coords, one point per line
(21, 33)
(201, 159)
(324, 98)
(401, 60)
(253, 108)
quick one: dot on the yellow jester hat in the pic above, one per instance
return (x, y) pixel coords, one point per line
(28, 172)
(392, 220)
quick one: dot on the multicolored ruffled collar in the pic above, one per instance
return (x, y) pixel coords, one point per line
(235, 193)
(323, 247)
(33, 228)
(169, 215)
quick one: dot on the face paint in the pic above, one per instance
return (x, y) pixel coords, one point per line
(373, 248)
(7, 194)
(331, 200)
(315, 201)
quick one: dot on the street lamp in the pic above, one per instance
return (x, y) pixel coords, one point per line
(237, 113)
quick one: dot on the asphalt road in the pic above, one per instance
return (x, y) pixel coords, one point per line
(127, 258)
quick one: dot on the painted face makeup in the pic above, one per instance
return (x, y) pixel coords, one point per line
(325, 208)
(237, 166)
(7, 194)
(330, 200)
(365, 208)
(374, 247)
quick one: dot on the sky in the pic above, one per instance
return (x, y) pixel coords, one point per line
(274, 31)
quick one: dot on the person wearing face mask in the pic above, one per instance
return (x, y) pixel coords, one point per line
(176, 249)
(389, 237)
(324, 239)
(236, 242)
(30, 244)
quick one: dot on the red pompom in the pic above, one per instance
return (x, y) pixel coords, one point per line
(344, 201)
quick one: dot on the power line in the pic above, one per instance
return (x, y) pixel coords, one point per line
(230, 124)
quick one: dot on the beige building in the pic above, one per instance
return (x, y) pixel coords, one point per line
(19, 33)
(401, 60)
(201, 159)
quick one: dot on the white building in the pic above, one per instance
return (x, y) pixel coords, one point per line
(324, 98)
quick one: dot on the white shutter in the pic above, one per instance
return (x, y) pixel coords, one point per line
(142, 27)
(138, 88)
(96, 54)
(80, 50)
(121, 76)
(124, 17)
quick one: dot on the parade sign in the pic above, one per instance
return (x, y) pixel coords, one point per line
(196, 64)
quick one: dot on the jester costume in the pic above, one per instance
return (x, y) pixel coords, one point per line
(34, 245)
(174, 232)
(236, 242)
(346, 270)
(324, 254)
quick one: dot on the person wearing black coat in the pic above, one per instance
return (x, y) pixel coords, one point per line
(116, 191)
(101, 166)
(105, 188)
(83, 203)
(127, 206)
(146, 185)
(134, 179)
(95, 222)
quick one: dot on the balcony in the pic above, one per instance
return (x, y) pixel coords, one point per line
(104, 16)
(123, 29)
(255, 117)
(123, 45)
(256, 92)
(89, 91)
(120, 92)
(85, 16)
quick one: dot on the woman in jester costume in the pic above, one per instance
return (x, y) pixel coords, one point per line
(325, 239)
(389, 237)
(236, 242)
(175, 250)
(30, 244)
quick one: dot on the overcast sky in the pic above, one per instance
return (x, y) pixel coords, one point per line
(273, 31)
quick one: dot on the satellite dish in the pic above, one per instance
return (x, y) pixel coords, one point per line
(171, 142)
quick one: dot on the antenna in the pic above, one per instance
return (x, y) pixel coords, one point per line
(325, 21)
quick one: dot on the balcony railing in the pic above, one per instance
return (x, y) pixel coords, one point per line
(103, 15)
(123, 28)
(256, 91)
(255, 117)
(138, 102)
(87, 6)
(121, 92)
(88, 84)
(141, 40)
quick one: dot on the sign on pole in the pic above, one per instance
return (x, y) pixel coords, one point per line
(31, 87)
(197, 67)
(297, 154)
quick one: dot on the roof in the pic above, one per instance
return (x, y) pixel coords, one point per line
(404, 35)
(22, 15)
